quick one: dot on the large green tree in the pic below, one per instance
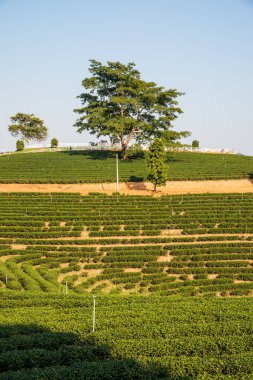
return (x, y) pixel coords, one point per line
(156, 159)
(119, 104)
(27, 127)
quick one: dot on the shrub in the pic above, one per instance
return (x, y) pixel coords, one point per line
(54, 143)
(195, 144)
(135, 151)
(20, 145)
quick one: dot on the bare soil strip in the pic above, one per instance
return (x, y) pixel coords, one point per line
(138, 188)
(175, 243)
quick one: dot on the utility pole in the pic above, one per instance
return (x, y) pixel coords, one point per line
(117, 172)
(66, 288)
(94, 313)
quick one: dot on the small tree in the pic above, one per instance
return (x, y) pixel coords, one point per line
(156, 163)
(27, 127)
(54, 142)
(20, 145)
(195, 144)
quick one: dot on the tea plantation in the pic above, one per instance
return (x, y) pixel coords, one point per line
(49, 337)
(193, 244)
(99, 166)
(172, 277)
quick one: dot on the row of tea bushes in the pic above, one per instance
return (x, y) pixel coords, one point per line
(50, 336)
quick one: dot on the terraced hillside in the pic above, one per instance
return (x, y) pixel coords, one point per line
(99, 166)
(188, 245)
(172, 277)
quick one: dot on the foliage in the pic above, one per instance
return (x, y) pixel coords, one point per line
(195, 144)
(20, 145)
(54, 143)
(156, 163)
(48, 336)
(185, 245)
(27, 127)
(171, 138)
(119, 104)
(135, 151)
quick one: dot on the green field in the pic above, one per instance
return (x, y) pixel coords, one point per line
(99, 166)
(172, 277)
(49, 337)
(186, 245)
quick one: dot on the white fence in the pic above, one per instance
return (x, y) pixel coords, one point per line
(83, 146)
(203, 150)
(71, 146)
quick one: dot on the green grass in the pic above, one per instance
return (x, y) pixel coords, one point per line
(49, 337)
(99, 166)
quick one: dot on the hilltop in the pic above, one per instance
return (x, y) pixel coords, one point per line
(99, 167)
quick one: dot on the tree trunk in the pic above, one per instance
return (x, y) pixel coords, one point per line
(123, 152)
(112, 141)
(124, 144)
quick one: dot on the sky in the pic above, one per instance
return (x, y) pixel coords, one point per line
(203, 48)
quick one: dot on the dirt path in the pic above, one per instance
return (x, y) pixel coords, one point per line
(169, 244)
(145, 242)
(138, 188)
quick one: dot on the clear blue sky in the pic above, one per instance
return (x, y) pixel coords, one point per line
(201, 47)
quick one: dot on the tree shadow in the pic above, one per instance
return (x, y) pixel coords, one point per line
(100, 154)
(136, 185)
(33, 352)
(92, 154)
(250, 175)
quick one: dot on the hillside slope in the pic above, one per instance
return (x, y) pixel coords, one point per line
(144, 338)
(99, 166)
(189, 245)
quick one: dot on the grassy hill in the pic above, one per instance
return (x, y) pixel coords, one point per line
(99, 166)
(172, 277)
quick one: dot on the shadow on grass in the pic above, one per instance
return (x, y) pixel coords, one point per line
(92, 154)
(100, 155)
(34, 352)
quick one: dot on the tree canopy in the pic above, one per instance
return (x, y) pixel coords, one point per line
(119, 104)
(171, 138)
(27, 127)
